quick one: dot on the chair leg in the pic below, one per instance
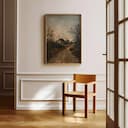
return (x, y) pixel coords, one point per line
(74, 99)
(63, 100)
(94, 98)
(74, 104)
(86, 102)
(63, 105)
(94, 104)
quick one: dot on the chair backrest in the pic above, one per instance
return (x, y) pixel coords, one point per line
(84, 78)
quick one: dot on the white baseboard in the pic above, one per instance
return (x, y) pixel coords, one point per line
(100, 105)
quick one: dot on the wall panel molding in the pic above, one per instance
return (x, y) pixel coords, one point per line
(6, 67)
(7, 46)
(47, 81)
(29, 86)
(3, 55)
(4, 60)
(5, 73)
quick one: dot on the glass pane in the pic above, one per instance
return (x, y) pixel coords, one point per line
(108, 49)
(121, 78)
(126, 114)
(126, 8)
(121, 113)
(126, 81)
(121, 41)
(107, 75)
(126, 39)
(108, 103)
(111, 105)
(121, 9)
(111, 76)
(111, 47)
(111, 13)
(108, 18)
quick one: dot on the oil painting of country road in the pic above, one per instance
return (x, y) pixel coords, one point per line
(63, 38)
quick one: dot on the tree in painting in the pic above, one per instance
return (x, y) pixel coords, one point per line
(63, 38)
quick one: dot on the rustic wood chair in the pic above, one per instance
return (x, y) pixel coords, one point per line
(87, 80)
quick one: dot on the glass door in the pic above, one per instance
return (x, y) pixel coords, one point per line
(110, 63)
(123, 63)
(117, 63)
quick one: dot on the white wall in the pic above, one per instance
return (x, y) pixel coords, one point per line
(30, 45)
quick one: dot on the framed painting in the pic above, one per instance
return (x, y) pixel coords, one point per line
(62, 38)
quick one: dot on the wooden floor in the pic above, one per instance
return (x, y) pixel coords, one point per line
(50, 119)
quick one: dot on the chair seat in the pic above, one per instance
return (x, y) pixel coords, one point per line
(78, 93)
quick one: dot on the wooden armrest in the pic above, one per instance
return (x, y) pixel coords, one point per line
(91, 94)
(69, 82)
(94, 82)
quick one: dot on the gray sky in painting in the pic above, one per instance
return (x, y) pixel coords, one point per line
(62, 26)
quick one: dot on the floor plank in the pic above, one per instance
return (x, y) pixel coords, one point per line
(50, 119)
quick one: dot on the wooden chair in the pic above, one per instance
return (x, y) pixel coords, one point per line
(87, 80)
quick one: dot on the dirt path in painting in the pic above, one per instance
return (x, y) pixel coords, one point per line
(64, 56)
